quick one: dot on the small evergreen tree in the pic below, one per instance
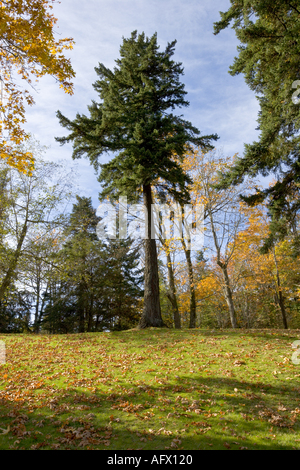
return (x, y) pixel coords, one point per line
(80, 249)
(99, 287)
(122, 283)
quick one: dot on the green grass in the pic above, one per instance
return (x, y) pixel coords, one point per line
(153, 389)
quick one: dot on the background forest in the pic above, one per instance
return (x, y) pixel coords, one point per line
(57, 276)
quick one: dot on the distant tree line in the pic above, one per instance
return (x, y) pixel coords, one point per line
(57, 276)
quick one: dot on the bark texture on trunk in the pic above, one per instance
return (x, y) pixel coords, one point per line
(151, 315)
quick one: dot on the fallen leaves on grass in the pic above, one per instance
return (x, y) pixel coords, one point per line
(104, 375)
(128, 407)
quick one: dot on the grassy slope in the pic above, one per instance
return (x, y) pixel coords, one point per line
(154, 389)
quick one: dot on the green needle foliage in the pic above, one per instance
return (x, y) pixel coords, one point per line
(135, 119)
(269, 59)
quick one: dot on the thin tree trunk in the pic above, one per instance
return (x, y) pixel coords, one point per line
(81, 308)
(191, 285)
(172, 293)
(228, 295)
(246, 310)
(151, 315)
(13, 264)
(3, 197)
(81, 319)
(90, 315)
(37, 304)
(192, 290)
(171, 289)
(223, 266)
(280, 295)
(41, 314)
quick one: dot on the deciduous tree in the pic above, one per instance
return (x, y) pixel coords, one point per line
(28, 49)
(33, 202)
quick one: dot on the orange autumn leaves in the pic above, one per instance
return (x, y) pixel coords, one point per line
(29, 49)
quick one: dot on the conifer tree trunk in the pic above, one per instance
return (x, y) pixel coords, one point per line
(151, 315)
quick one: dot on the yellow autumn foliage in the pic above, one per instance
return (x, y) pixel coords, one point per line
(29, 49)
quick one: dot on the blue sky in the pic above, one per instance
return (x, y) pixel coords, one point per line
(219, 103)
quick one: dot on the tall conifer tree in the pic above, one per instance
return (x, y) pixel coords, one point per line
(269, 59)
(134, 119)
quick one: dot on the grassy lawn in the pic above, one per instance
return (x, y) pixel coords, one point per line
(156, 389)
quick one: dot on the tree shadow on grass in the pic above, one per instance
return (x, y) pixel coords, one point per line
(114, 421)
(118, 421)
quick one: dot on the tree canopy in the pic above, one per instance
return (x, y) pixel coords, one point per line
(134, 118)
